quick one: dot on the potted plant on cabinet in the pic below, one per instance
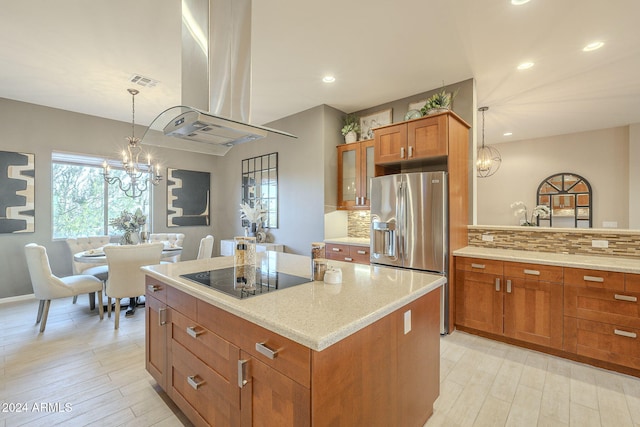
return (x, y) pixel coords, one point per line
(438, 103)
(350, 128)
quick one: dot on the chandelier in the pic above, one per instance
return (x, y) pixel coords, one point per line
(139, 175)
(489, 159)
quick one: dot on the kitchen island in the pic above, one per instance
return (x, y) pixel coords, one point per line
(364, 352)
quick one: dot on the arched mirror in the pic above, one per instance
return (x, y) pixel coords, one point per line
(568, 197)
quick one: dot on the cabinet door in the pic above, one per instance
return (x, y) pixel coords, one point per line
(367, 171)
(348, 175)
(155, 339)
(533, 311)
(479, 301)
(427, 138)
(391, 144)
(269, 398)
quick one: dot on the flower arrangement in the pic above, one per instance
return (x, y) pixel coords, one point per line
(351, 124)
(128, 221)
(253, 215)
(519, 208)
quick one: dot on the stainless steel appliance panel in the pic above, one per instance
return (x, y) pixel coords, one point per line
(385, 225)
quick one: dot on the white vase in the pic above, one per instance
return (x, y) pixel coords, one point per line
(351, 137)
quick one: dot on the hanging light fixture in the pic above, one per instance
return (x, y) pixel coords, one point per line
(139, 174)
(489, 158)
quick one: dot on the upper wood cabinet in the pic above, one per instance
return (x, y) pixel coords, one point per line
(413, 140)
(355, 169)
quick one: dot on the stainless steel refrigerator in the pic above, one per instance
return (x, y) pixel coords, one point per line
(409, 225)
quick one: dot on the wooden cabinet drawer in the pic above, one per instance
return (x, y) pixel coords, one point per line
(547, 273)
(632, 282)
(603, 341)
(182, 302)
(347, 253)
(480, 265)
(290, 358)
(335, 251)
(220, 355)
(601, 305)
(360, 254)
(198, 389)
(156, 289)
(594, 278)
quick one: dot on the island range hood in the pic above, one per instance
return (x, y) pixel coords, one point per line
(216, 82)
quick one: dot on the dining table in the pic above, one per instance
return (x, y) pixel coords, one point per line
(97, 256)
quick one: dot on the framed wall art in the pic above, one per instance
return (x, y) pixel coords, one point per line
(188, 197)
(368, 123)
(17, 192)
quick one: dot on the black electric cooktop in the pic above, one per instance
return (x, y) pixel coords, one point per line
(224, 280)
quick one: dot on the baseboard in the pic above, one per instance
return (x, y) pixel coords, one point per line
(18, 298)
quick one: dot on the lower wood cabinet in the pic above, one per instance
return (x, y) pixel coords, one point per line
(602, 316)
(156, 330)
(222, 370)
(589, 313)
(517, 300)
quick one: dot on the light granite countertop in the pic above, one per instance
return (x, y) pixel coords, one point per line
(620, 264)
(355, 241)
(313, 314)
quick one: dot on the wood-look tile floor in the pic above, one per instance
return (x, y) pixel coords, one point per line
(81, 371)
(488, 383)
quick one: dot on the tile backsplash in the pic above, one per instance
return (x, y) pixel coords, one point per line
(625, 243)
(358, 224)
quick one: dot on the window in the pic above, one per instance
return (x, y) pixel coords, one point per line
(82, 202)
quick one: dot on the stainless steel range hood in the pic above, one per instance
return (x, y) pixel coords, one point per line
(216, 77)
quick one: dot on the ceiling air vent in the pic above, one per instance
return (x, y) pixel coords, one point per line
(143, 81)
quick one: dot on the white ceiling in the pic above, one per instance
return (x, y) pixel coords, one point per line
(79, 56)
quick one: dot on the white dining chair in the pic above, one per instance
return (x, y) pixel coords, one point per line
(206, 247)
(81, 244)
(169, 240)
(126, 279)
(47, 286)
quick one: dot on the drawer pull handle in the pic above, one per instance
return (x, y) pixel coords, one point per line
(362, 252)
(477, 266)
(593, 279)
(508, 286)
(191, 379)
(348, 259)
(532, 272)
(497, 285)
(162, 316)
(191, 330)
(266, 351)
(243, 367)
(335, 249)
(625, 298)
(153, 288)
(624, 333)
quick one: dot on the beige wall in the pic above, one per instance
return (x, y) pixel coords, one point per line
(304, 173)
(306, 167)
(598, 156)
(634, 176)
(40, 130)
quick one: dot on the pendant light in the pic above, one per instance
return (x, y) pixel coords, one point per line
(138, 173)
(489, 158)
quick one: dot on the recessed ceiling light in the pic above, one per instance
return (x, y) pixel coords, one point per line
(519, 2)
(328, 79)
(507, 133)
(593, 46)
(525, 65)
